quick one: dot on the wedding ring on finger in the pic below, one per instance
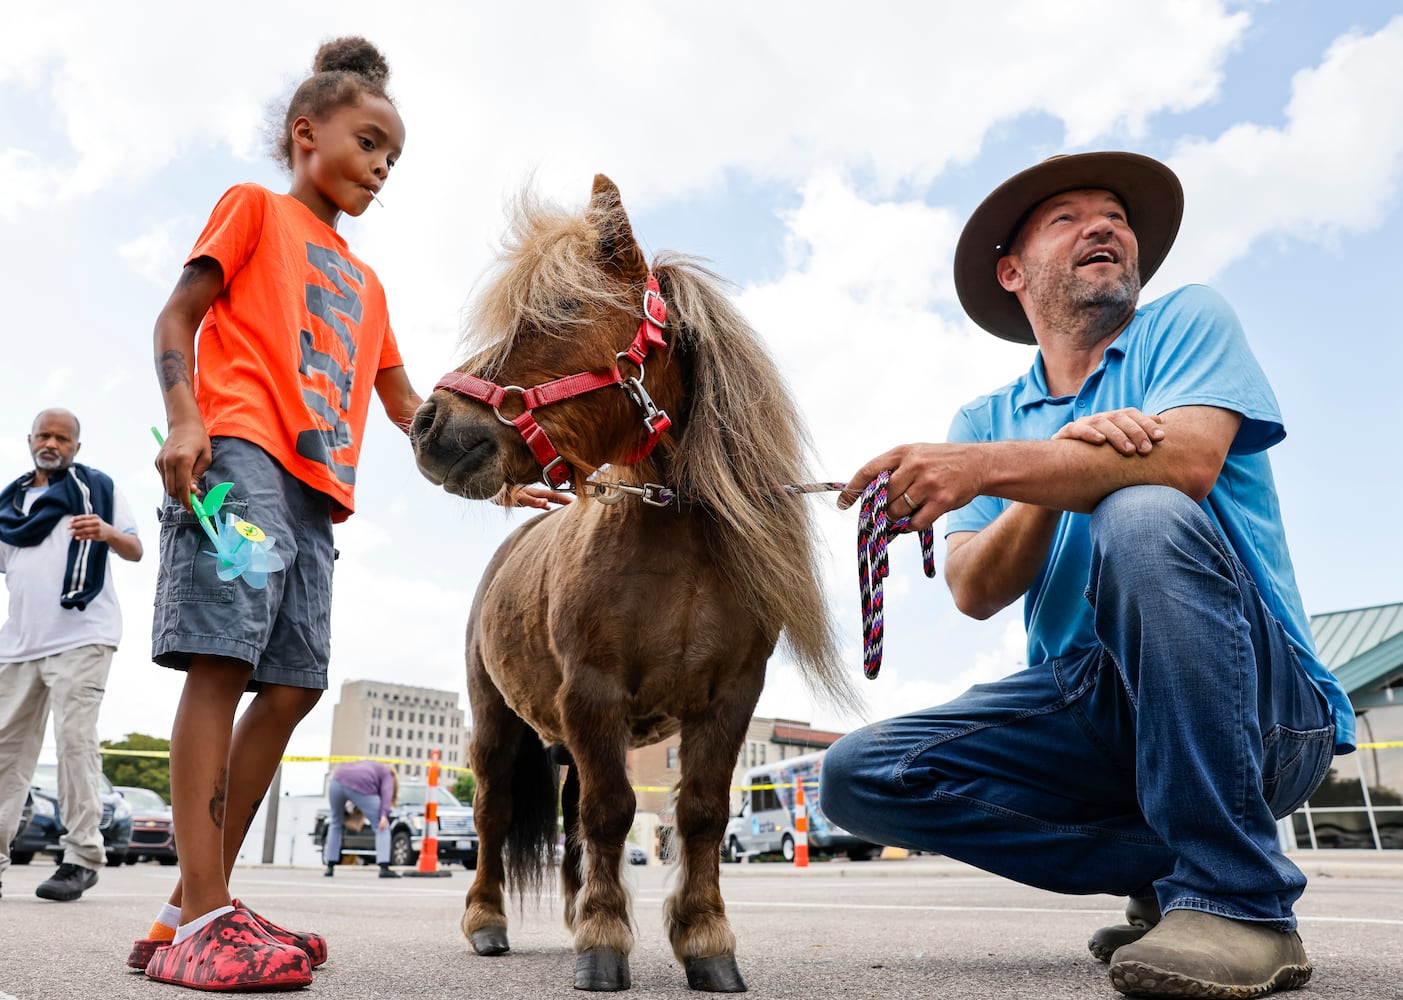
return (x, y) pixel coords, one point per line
(909, 502)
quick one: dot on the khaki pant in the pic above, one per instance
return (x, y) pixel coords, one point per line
(73, 682)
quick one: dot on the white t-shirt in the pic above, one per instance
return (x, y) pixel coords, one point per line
(38, 625)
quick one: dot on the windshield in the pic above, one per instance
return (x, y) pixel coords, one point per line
(414, 795)
(142, 798)
(46, 780)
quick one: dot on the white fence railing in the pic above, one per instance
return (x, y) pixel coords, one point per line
(1355, 810)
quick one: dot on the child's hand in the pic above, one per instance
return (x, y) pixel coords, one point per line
(539, 497)
(182, 460)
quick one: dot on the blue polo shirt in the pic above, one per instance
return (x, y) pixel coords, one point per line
(1186, 349)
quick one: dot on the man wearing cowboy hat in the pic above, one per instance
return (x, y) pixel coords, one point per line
(1173, 707)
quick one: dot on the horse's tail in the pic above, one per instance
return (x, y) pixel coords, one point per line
(530, 846)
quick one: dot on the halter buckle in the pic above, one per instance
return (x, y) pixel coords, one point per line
(555, 472)
(654, 309)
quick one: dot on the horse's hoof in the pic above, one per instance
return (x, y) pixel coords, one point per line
(601, 970)
(490, 941)
(716, 974)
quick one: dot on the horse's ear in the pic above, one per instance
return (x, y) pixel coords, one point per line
(616, 243)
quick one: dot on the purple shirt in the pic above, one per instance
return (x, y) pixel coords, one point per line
(368, 777)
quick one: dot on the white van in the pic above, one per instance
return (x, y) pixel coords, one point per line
(765, 823)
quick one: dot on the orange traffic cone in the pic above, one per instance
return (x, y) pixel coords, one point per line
(801, 825)
(428, 848)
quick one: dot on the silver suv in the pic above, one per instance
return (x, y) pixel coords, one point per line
(457, 834)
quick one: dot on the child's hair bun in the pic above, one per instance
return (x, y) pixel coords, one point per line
(352, 54)
(344, 71)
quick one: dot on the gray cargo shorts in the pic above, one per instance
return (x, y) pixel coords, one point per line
(284, 629)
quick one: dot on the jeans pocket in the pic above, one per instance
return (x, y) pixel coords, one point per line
(1294, 763)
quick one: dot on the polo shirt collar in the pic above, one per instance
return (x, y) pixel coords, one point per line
(1034, 391)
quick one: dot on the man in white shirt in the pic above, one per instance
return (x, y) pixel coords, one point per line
(57, 524)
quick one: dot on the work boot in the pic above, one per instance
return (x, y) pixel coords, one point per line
(1140, 916)
(1195, 954)
(67, 883)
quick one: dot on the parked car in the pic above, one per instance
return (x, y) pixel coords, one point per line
(633, 854)
(153, 830)
(46, 827)
(457, 834)
(25, 816)
(765, 823)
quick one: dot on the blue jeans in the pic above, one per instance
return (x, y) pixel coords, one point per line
(1153, 764)
(337, 794)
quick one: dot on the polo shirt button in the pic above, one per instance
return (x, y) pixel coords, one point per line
(1081, 403)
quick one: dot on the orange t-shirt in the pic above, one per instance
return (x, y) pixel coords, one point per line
(289, 351)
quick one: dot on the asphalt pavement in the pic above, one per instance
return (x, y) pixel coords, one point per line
(879, 930)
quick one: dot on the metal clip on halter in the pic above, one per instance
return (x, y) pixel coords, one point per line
(655, 494)
(640, 397)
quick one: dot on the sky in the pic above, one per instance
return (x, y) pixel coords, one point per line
(822, 161)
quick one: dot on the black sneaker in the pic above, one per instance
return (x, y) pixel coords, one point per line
(389, 873)
(66, 883)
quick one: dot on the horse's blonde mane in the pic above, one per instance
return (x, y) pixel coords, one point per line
(742, 438)
(547, 278)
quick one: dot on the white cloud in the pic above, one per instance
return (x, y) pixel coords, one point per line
(859, 326)
(676, 104)
(1332, 169)
(26, 181)
(159, 251)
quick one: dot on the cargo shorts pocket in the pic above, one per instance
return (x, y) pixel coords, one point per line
(186, 573)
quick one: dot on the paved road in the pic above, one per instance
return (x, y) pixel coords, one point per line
(874, 931)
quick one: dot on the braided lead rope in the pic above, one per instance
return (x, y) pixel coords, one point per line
(873, 530)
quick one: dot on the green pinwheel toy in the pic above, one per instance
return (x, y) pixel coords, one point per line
(243, 550)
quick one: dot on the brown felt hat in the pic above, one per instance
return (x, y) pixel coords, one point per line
(1151, 194)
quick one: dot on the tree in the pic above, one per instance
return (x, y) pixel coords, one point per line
(142, 772)
(464, 787)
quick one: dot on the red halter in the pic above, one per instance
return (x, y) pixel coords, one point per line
(554, 471)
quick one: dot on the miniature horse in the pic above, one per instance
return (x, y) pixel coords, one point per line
(606, 625)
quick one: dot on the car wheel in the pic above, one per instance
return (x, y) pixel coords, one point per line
(862, 854)
(132, 859)
(401, 853)
(786, 847)
(167, 861)
(115, 860)
(21, 857)
(733, 851)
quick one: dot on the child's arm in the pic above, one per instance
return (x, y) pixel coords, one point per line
(185, 454)
(398, 396)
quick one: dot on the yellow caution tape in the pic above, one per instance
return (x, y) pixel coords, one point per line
(341, 759)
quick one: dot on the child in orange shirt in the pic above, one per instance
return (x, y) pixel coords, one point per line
(293, 336)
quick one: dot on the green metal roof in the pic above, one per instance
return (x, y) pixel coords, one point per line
(1364, 649)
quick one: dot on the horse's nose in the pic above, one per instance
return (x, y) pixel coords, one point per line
(423, 419)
